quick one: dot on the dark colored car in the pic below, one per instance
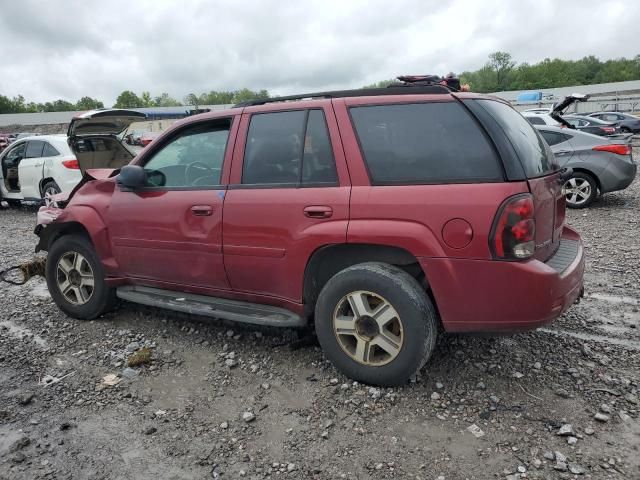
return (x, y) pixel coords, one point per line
(377, 215)
(628, 123)
(599, 165)
(592, 125)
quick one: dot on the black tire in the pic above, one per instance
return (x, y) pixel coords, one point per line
(13, 202)
(593, 190)
(101, 300)
(50, 186)
(625, 129)
(419, 321)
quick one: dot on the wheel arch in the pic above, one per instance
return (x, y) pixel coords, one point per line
(85, 221)
(43, 182)
(591, 174)
(328, 260)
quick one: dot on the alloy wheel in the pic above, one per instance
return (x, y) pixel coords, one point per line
(75, 278)
(368, 328)
(51, 190)
(577, 191)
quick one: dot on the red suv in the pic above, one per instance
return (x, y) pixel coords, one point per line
(378, 215)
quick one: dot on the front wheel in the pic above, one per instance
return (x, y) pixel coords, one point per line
(50, 188)
(76, 279)
(376, 324)
(580, 190)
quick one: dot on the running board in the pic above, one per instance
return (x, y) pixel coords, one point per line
(211, 306)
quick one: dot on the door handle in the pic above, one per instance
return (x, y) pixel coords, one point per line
(202, 210)
(318, 211)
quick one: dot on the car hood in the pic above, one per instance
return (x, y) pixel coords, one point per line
(560, 107)
(93, 138)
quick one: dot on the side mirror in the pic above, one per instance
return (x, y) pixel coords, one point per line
(131, 177)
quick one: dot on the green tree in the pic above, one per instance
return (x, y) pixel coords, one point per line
(88, 103)
(192, 99)
(146, 99)
(164, 100)
(502, 64)
(128, 99)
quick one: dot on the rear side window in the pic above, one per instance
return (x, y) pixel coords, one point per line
(554, 138)
(49, 151)
(34, 149)
(289, 148)
(535, 120)
(424, 143)
(533, 152)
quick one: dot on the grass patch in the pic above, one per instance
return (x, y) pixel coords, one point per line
(141, 357)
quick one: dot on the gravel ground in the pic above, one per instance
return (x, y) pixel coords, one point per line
(228, 401)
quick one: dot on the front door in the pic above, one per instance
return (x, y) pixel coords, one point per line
(288, 196)
(171, 231)
(30, 169)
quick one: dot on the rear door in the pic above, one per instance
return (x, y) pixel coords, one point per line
(30, 169)
(542, 172)
(560, 145)
(288, 195)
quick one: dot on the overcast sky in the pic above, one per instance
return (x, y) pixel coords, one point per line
(67, 49)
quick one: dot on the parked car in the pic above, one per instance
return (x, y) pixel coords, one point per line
(600, 165)
(33, 167)
(536, 118)
(377, 215)
(628, 123)
(148, 137)
(553, 116)
(133, 137)
(5, 140)
(592, 125)
(546, 110)
(21, 135)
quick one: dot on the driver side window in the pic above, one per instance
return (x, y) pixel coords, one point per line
(192, 158)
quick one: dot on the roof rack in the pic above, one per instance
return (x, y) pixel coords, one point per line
(393, 89)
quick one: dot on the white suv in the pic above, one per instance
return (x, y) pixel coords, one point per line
(33, 167)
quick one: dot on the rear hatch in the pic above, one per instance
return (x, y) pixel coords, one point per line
(539, 168)
(95, 137)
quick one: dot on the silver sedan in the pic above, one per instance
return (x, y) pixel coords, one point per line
(600, 164)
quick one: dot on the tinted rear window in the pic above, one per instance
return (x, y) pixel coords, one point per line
(49, 151)
(532, 150)
(554, 138)
(535, 120)
(424, 143)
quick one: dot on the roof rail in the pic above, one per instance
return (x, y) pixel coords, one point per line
(393, 89)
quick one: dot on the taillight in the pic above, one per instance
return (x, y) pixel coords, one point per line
(72, 163)
(514, 229)
(608, 129)
(617, 149)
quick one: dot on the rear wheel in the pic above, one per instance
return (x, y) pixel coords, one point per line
(76, 279)
(50, 188)
(376, 324)
(580, 190)
(625, 129)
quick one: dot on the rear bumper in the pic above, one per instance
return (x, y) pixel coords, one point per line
(618, 175)
(497, 296)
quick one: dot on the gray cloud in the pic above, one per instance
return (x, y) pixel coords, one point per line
(67, 49)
